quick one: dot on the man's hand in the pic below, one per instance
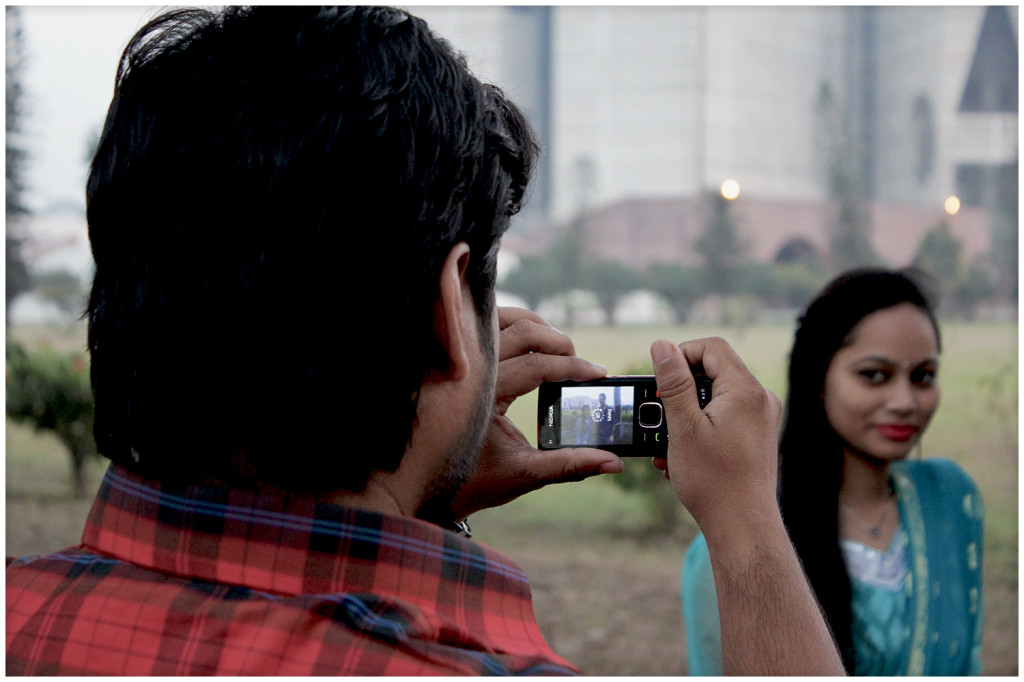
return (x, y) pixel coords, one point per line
(723, 464)
(530, 351)
(722, 460)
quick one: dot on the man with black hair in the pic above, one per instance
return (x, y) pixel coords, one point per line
(295, 441)
(604, 415)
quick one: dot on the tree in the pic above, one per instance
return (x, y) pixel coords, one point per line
(979, 284)
(720, 245)
(1005, 234)
(570, 250)
(51, 391)
(939, 255)
(18, 279)
(961, 288)
(849, 224)
(535, 278)
(681, 286)
(795, 284)
(610, 281)
(62, 288)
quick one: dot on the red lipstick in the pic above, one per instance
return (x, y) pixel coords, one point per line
(900, 433)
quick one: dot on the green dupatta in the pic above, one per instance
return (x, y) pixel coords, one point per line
(945, 607)
(944, 613)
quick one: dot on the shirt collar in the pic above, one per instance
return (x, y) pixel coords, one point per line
(281, 544)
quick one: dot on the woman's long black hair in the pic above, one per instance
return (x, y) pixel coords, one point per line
(810, 452)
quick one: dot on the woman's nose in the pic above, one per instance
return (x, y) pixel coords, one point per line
(903, 398)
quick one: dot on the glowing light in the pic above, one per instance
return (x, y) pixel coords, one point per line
(730, 189)
(952, 205)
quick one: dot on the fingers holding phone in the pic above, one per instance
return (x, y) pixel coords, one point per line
(722, 459)
(530, 351)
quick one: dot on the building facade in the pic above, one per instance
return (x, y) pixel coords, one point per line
(664, 102)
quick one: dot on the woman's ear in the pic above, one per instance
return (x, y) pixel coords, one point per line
(454, 313)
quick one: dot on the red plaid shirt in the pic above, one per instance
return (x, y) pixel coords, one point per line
(189, 580)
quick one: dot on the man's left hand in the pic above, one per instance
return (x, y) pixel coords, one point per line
(530, 352)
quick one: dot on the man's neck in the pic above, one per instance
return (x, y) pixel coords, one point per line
(376, 496)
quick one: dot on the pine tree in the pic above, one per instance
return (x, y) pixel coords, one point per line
(18, 278)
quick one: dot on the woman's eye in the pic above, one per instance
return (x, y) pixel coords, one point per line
(874, 376)
(924, 377)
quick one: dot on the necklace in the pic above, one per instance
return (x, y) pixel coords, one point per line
(874, 530)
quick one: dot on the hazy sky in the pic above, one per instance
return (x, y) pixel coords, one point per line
(71, 55)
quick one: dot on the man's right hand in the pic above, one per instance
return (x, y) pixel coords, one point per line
(722, 460)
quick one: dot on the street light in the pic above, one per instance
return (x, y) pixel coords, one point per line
(952, 205)
(730, 189)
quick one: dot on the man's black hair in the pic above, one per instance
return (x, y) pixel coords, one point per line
(272, 199)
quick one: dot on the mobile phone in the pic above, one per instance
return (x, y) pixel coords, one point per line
(622, 414)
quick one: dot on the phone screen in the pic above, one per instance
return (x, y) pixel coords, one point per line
(621, 414)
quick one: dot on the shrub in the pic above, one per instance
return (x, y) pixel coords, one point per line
(51, 391)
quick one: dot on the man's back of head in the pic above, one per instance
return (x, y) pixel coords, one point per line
(273, 196)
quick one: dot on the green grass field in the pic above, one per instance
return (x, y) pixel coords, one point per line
(976, 424)
(606, 586)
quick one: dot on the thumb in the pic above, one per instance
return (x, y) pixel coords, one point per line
(676, 385)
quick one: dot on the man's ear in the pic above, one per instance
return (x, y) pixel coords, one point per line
(454, 314)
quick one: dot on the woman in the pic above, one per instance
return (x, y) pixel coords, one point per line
(583, 426)
(892, 547)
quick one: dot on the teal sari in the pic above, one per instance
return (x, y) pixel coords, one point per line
(938, 608)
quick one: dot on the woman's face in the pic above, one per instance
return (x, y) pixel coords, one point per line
(882, 389)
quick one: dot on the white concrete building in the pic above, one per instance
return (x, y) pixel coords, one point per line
(663, 101)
